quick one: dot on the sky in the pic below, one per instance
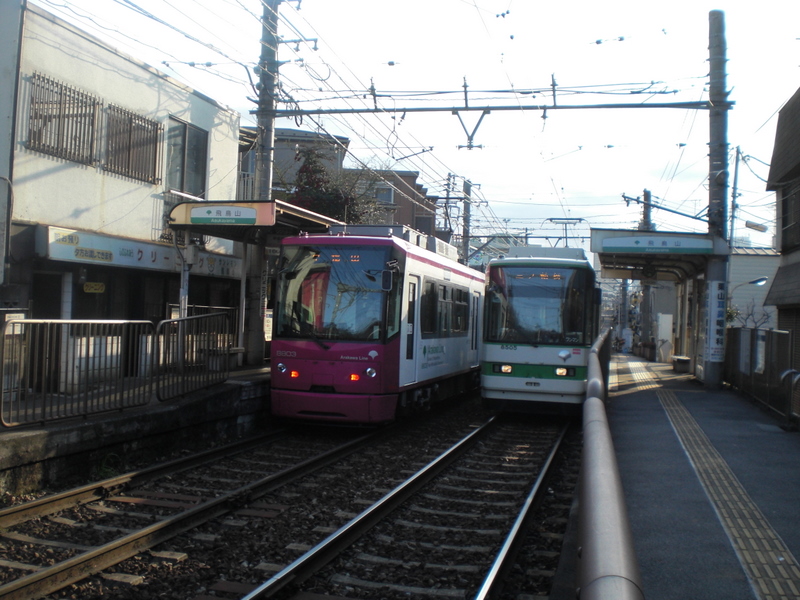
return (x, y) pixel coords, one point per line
(529, 169)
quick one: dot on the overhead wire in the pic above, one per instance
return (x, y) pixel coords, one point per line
(429, 165)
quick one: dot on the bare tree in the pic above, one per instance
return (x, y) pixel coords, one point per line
(750, 316)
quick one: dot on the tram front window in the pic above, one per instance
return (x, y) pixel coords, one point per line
(332, 293)
(538, 305)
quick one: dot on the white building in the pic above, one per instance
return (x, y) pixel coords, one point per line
(751, 272)
(95, 149)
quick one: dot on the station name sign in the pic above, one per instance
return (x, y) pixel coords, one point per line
(224, 213)
(656, 244)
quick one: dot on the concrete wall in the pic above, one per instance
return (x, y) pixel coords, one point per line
(10, 27)
(53, 191)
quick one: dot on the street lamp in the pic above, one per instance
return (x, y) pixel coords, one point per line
(732, 312)
(759, 281)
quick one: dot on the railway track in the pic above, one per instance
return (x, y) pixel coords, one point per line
(58, 540)
(219, 529)
(449, 531)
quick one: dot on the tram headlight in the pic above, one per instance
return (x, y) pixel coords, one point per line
(507, 369)
(565, 371)
(369, 372)
(281, 367)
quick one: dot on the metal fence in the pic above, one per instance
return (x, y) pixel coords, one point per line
(195, 310)
(193, 354)
(759, 363)
(59, 369)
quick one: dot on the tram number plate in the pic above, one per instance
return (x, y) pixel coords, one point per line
(508, 346)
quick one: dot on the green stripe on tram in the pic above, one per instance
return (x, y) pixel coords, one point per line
(533, 371)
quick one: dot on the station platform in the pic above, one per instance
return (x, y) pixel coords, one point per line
(712, 485)
(58, 453)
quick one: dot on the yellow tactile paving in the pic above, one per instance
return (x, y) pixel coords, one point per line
(773, 571)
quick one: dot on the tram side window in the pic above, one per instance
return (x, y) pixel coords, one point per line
(428, 309)
(445, 310)
(393, 311)
(460, 311)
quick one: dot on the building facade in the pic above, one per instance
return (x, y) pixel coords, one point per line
(784, 180)
(750, 272)
(399, 197)
(96, 148)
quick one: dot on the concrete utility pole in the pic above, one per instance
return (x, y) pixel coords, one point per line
(254, 261)
(268, 73)
(467, 219)
(646, 306)
(624, 321)
(713, 350)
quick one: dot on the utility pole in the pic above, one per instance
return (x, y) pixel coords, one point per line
(448, 225)
(647, 306)
(624, 321)
(647, 212)
(713, 348)
(255, 265)
(267, 72)
(467, 219)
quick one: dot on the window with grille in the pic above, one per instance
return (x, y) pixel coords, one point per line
(62, 121)
(132, 145)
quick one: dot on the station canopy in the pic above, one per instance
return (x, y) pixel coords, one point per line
(654, 255)
(247, 221)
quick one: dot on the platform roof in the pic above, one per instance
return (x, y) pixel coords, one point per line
(654, 255)
(247, 221)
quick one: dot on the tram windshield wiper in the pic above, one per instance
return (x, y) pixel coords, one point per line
(306, 330)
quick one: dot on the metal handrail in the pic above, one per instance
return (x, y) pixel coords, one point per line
(607, 564)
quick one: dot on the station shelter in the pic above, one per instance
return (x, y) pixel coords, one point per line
(259, 226)
(682, 258)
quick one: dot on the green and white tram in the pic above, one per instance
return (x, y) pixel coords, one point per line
(541, 317)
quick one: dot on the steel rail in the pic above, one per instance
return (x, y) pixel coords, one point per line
(505, 557)
(49, 579)
(95, 491)
(328, 549)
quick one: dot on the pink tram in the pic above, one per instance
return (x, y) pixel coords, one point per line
(372, 322)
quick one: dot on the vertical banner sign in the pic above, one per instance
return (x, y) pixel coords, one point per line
(715, 340)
